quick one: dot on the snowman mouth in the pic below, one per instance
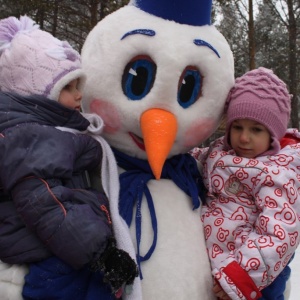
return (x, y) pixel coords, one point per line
(138, 141)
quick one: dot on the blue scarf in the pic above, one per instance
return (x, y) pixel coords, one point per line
(181, 169)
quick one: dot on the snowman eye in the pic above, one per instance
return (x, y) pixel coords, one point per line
(190, 86)
(138, 78)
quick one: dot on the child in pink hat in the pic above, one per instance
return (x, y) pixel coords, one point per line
(51, 216)
(252, 213)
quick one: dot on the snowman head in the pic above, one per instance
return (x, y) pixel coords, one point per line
(158, 74)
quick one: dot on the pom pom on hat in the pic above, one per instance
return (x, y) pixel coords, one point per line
(261, 96)
(32, 61)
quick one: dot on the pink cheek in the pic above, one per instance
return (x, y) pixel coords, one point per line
(109, 113)
(199, 132)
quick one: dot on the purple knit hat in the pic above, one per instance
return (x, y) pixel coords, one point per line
(32, 61)
(261, 96)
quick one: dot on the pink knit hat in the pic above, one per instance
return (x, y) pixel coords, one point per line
(32, 61)
(261, 96)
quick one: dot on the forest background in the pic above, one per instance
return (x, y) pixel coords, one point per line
(260, 32)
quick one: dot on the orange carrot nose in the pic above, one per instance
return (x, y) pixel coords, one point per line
(159, 128)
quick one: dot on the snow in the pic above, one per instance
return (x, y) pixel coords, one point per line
(295, 277)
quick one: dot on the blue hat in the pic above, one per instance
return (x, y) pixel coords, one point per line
(189, 12)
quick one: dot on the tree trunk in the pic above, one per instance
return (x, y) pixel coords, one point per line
(41, 16)
(251, 36)
(94, 12)
(292, 29)
(55, 18)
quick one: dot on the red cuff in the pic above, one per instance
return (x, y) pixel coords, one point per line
(242, 281)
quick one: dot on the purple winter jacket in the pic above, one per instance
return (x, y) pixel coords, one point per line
(46, 205)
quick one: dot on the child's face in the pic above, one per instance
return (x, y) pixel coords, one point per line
(249, 138)
(70, 96)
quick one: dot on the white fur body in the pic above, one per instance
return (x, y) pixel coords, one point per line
(12, 281)
(179, 267)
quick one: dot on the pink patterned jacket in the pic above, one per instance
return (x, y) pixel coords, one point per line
(252, 216)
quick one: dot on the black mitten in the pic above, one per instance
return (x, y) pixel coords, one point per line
(118, 267)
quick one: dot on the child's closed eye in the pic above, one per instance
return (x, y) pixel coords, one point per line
(67, 87)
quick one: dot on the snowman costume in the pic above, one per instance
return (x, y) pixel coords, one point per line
(158, 74)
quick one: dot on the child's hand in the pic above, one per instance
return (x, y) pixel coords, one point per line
(219, 292)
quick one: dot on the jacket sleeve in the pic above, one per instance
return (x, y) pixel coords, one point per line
(74, 224)
(18, 244)
(269, 247)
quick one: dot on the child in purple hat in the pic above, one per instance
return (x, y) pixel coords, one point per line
(51, 216)
(252, 212)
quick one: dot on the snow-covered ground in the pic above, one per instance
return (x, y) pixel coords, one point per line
(295, 277)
